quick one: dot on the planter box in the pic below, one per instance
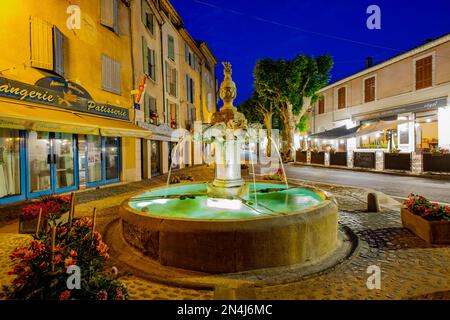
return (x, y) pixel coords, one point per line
(430, 231)
(338, 159)
(436, 162)
(29, 226)
(318, 157)
(397, 161)
(301, 156)
(364, 160)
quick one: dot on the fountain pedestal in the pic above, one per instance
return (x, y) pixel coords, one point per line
(231, 125)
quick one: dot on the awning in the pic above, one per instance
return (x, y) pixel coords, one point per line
(117, 128)
(378, 126)
(335, 133)
(27, 117)
(19, 116)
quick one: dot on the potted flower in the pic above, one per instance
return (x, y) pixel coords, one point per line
(428, 220)
(54, 210)
(41, 266)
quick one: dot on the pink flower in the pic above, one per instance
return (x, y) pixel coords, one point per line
(102, 295)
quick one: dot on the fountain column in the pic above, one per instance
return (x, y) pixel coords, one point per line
(230, 126)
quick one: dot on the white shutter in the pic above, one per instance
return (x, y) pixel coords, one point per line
(110, 74)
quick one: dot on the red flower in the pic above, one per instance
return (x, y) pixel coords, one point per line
(57, 259)
(69, 262)
(65, 295)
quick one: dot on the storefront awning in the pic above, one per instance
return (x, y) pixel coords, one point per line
(378, 126)
(335, 133)
(117, 128)
(27, 117)
(19, 116)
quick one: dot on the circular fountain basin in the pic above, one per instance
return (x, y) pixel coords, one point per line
(272, 226)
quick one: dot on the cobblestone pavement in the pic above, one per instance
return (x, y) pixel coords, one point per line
(410, 268)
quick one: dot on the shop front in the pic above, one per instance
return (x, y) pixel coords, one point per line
(49, 148)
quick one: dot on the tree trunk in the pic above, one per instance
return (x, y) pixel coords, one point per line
(268, 125)
(288, 132)
(290, 121)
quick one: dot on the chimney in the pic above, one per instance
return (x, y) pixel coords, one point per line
(369, 62)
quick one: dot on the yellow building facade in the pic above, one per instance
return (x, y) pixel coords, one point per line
(66, 104)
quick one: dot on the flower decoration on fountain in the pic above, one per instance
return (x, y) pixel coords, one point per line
(228, 132)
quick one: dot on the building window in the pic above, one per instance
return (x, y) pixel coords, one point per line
(424, 72)
(150, 110)
(173, 114)
(9, 163)
(171, 80)
(147, 17)
(109, 14)
(47, 46)
(369, 89)
(190, 89)
(322, 105)
(190, 58)
(341, 98)
(110, 74)
(148, 59)
(171, 47)
(190, 116)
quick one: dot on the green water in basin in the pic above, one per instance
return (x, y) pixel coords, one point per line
(190, 201)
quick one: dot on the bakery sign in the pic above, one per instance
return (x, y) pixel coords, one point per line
(58, 92)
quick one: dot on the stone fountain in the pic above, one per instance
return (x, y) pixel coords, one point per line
(229, 225)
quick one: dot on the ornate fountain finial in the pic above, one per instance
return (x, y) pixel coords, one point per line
(227, 71)
(227, 87)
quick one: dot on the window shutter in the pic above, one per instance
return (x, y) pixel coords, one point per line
(171, 47)
(192, 91)
(186, 53)
(116, 16)
(167, 77)
(153, 57)
(321, 105)
(41, 44)
(188, 89)
(110, 74)
(153, 104)
(106, 73)
(116, 77)
(107, 13)
(58, 51)
(341, 98)
(424, 73)
(144, 11)
(145, 56)
(146, 108)
(176, 81)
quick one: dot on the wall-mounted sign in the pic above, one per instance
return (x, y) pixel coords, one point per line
(393, 112)
(58, 92)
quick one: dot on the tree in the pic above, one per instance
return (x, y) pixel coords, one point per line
(304, 76)
(286, 89)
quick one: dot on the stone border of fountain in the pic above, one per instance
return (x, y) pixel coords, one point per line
(228, 246)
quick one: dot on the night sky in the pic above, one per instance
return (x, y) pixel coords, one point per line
(242, 31)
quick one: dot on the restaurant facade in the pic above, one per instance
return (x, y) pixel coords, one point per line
(66, 109)
(399, 107)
